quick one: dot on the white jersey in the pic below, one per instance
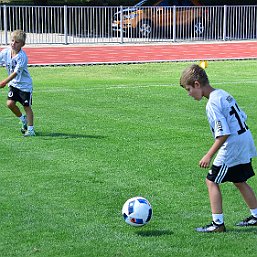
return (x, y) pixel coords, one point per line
(226, 118)
(17, 64)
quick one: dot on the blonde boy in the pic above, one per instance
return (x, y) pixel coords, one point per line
(19, 81)
(233, 147)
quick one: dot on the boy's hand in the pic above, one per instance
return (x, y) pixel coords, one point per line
(205, 161)
(2, 83)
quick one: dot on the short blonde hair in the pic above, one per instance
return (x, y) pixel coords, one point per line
(19, 35)
(194, 73)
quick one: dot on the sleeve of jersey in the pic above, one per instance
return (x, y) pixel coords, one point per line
(218, 122)
(1, 58)
(21, 63)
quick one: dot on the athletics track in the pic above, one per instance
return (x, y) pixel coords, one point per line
(114, 54)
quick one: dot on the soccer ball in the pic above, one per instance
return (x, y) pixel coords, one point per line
(137, 211)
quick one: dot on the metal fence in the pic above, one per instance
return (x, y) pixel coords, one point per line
(85, 25)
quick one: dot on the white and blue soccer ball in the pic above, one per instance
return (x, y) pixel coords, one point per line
(137, 211)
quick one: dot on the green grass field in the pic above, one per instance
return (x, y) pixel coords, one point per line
(108, 133)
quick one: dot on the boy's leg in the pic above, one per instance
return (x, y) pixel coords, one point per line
(215, 197)
(30, 115)
(11, 104)
(248, 194)
(251, 201)
(30, 121)
(14, 108)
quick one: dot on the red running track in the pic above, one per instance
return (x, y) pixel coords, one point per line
(109, 54)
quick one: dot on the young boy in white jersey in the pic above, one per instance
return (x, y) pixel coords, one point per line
(233, 145)
(19, 81)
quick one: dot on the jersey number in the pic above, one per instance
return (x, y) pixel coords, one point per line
(243, 126)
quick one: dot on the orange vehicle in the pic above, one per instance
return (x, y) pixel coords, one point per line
(150, 18)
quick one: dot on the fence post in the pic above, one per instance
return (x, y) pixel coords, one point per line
(225, 23)
(121, 24)
(65, 25)
(174, 23)
(5, 26)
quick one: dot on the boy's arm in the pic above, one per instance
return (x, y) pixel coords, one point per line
(8, 79)
(206, 160)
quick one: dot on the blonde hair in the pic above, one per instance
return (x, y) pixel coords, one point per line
(194, 73)
(19, 35)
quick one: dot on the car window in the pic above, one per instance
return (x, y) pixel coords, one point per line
(182, 3)
(156, 3)
(165, 3)
(148, 3)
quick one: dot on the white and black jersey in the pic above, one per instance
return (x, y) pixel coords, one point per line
(226, 118)
(17, 64)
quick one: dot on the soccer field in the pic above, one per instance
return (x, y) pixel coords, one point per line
(106, 134)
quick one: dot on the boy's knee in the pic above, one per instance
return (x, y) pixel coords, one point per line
(211, 184)
(10, 104)
(28, 109)
(208, 182)
(239, 184)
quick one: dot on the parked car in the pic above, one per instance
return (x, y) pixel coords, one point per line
(155, 18)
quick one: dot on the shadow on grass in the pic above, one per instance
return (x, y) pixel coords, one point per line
(154, 233)
(243, 230)
(67, 135)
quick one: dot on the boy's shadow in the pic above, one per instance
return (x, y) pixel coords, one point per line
(66, 135)
(154, 233)
(243, 230)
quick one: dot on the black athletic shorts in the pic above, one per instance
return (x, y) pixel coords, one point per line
(15, 94)
(235, 174)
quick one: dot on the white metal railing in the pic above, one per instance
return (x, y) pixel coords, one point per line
(85, 25)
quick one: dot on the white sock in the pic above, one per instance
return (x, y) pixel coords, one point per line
(254, 212)
(218, 218)
(22, 118)
(30, 128)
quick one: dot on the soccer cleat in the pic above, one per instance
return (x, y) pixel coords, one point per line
(29, 133)
(250, 221)
(24, 126)
(213, 227)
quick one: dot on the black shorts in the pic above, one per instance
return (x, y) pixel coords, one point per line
(15, 94)
(235, 174)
